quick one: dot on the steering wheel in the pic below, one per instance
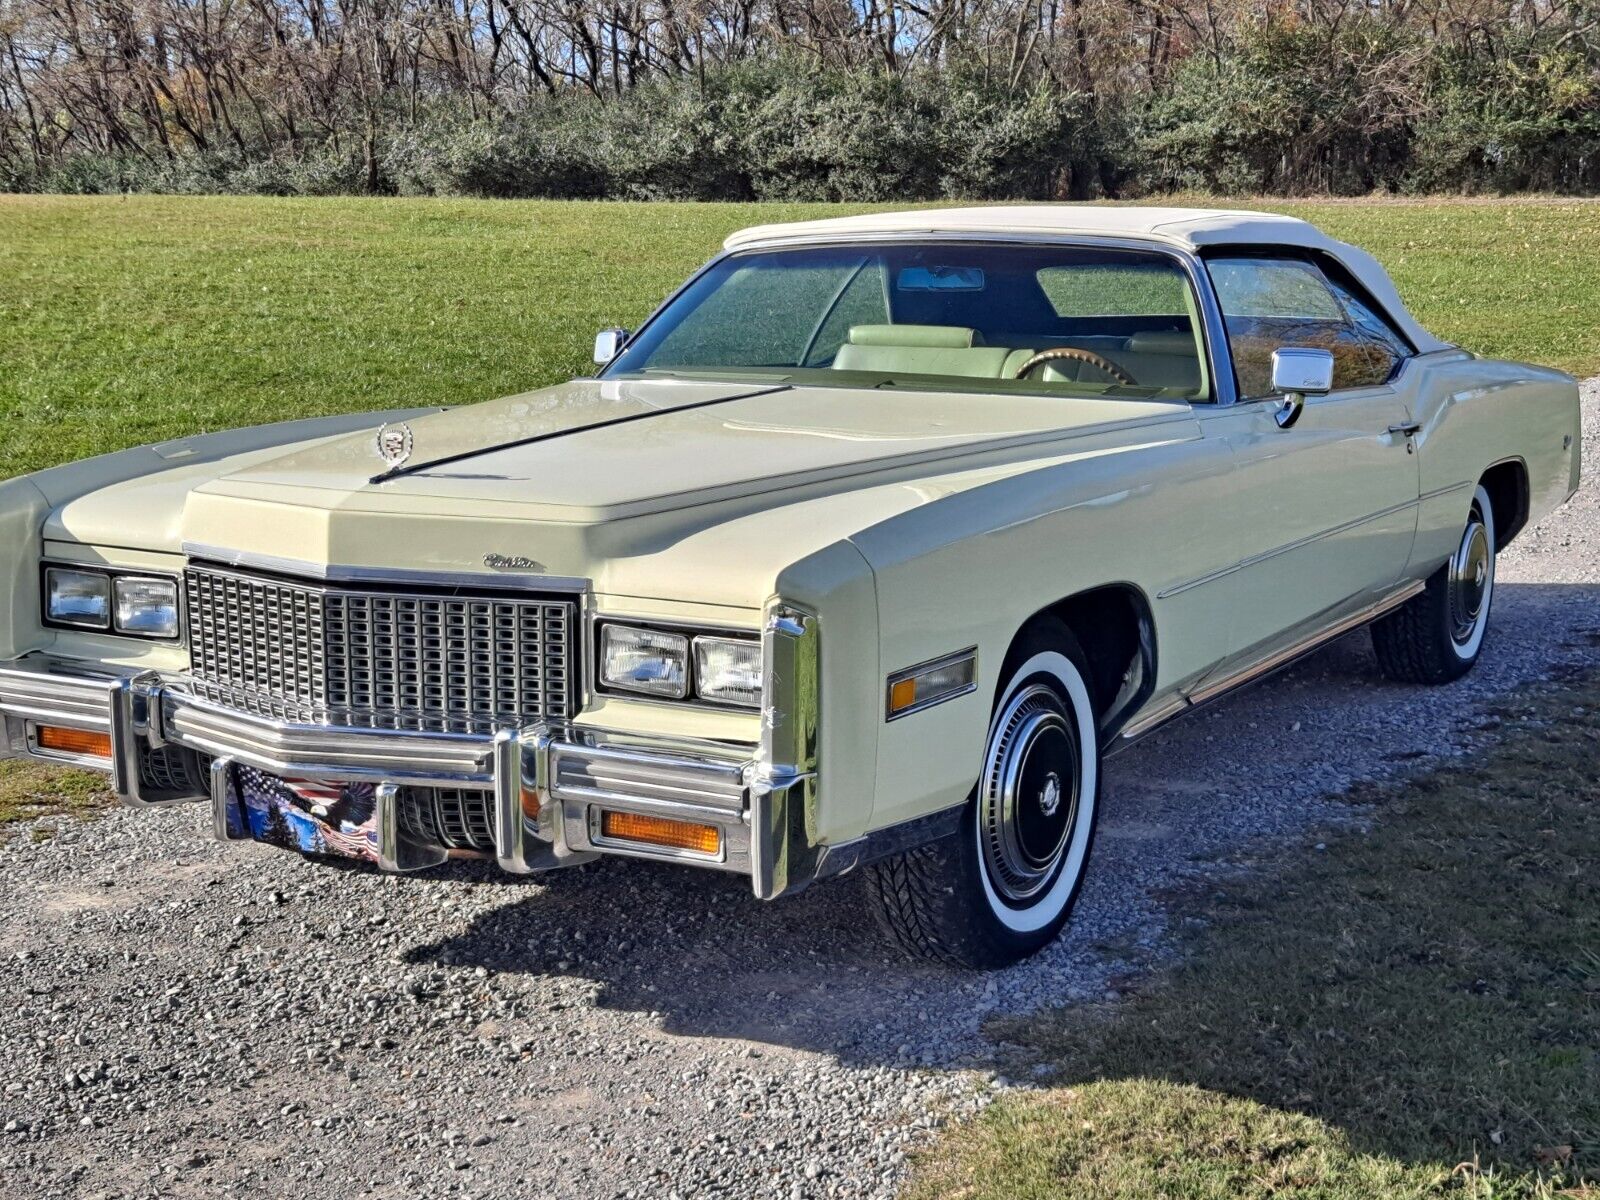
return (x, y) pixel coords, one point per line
(1074, 354)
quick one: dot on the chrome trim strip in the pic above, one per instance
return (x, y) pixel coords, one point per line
(332, 573)
(1265, 666)
(1298, 544)
(1287, 655)
(1446, 490)
(1159, 715)
(970, 654)
(784, 778)
(31, 690)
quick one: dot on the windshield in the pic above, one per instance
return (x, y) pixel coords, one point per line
(936, 316)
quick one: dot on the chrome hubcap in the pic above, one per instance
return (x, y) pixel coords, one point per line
(1470, 573)
(1028, 802)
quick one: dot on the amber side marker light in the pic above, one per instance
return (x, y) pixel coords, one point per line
(933, 682)
(72, 741)
(661, 831)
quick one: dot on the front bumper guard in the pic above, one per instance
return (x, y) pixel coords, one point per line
(549, 782)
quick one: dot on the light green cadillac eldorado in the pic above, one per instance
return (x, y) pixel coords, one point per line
(859, 554)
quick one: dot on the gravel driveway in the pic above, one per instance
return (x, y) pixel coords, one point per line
(179, 1018)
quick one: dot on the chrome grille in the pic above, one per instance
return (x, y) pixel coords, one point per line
(437, 662)
(455, 818)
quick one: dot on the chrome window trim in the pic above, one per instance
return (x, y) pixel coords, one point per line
(1307, 255)
(1223, 392)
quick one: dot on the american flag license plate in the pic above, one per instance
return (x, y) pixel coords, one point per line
(304, 814)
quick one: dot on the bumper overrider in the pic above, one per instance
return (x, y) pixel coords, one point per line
(552, 785)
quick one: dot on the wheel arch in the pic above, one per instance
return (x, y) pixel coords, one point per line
(1508, 487)
(1116, 630)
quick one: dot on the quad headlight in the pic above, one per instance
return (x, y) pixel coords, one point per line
(81, 598)
(728, 670)
(135, 605)
(679, 665)
(644, 660)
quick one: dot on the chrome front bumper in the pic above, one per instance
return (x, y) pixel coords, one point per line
(549, 782)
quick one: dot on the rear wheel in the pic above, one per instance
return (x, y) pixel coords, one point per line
(1437, 636)
(1003, 887)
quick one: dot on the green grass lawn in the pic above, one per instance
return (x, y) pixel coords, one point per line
(1412, 1012)
(130, 320)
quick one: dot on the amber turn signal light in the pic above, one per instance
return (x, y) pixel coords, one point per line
(661, 831)
(530, 804)
(72, 741)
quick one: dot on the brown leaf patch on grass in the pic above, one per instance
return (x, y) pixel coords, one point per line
(30, 790)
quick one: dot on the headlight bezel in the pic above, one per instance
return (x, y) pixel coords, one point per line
(690, 636)
(112, 625)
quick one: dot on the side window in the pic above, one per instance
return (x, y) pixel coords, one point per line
(1269, 303)
(1374, 326)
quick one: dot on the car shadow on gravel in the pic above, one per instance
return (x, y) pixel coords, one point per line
(814, 972)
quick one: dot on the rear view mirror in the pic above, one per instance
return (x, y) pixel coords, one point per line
(940, 279)
(1298, 372)
(1303, 370)
(608, 343)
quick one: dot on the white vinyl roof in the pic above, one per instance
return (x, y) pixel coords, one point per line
(1185, 228)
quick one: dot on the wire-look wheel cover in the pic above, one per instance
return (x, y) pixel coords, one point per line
(1029, 796)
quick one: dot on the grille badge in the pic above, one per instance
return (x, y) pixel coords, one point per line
(511, 562)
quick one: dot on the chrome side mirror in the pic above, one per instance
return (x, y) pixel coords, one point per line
(608, 343)
(1298, 372)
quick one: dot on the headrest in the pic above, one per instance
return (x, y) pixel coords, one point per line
(1162, 341)
(943, 337)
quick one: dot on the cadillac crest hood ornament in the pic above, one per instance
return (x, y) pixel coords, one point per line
(394, 444)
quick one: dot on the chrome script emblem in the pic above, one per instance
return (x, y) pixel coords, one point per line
(511, 562)
(1050, 794)
(394, 443)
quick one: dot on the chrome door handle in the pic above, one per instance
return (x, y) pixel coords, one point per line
(1409, 428)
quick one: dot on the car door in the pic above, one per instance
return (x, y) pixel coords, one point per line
(1323, 512)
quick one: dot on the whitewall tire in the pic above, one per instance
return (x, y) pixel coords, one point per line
(1437, 636)
(1004, 886)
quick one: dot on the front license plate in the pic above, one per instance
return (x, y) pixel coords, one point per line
(308, 815)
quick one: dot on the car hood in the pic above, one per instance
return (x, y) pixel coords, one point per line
(594, 450)
(641, 488)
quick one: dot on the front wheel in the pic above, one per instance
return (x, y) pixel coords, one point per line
(1002, 888)
(1437, 636)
